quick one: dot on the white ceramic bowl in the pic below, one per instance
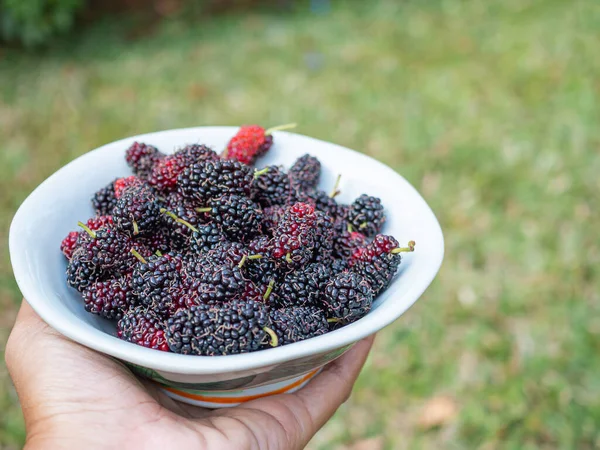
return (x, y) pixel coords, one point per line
(54, 208)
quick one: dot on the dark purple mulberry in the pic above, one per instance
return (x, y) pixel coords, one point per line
(110, 298)
(239, 217)
(104, 200)
(305, 173)
(205, 239)
(347, 297)
(212, 179)
(366, 215)
(143, 327)
(142, 158)
(217, 283)
(323, 238)
(81, 271)
(294, 238)
(178, 223)
(303, 287)
(273, 187)
(298, 323)
(339, 265)
(159, 283)
(111, 251)
(137, 212)
(221, 329)
(226, 252)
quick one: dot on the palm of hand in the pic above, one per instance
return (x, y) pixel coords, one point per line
(73, 397)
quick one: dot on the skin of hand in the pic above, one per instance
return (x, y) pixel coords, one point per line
(73, 397)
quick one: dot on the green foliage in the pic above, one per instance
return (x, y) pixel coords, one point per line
(33, 22)
(490, 108)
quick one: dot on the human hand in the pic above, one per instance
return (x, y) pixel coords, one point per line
(73, 397)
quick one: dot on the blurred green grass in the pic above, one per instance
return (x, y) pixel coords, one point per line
(491, 109)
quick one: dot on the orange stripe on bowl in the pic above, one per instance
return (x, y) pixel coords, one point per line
(245, 398)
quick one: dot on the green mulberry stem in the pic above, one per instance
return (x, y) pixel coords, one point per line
(335, 192)
(245, 257)
(287, 126)
(87, 229)
(269, 290)
(258, 173)
(135, 253)
(274, 339)
(177, 219)
(410, 248)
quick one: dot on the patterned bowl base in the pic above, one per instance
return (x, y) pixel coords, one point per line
(227, 399)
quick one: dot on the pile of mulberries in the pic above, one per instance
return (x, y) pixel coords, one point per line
(204, 254)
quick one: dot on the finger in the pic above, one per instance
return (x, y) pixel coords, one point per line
(32, 342)
(49, 369)
(23, 337)
(29, 345)
(291, 420)
(332, 387)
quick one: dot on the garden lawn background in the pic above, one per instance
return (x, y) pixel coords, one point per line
(490, 108)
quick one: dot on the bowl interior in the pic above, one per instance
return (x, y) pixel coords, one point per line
(54, 208)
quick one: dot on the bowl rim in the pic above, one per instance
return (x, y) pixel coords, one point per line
(87, 335)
